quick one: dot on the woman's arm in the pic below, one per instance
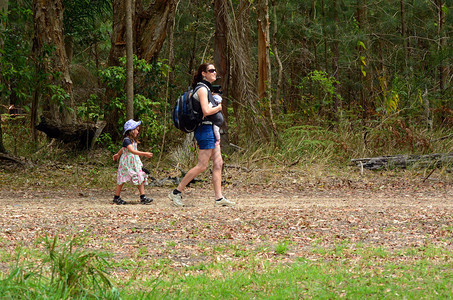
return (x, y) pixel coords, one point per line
(207, 110)
(140, 153)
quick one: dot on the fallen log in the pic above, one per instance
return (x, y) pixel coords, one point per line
(24, 163)
(83, 135)
(404, 161)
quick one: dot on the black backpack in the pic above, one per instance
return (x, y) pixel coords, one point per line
(187, 114)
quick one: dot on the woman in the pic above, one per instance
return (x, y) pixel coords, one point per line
(206, 140)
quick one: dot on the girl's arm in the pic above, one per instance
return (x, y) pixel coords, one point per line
(140, 153)
(203, 96)
(118, 155)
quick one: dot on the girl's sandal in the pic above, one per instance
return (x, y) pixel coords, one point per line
(119, 201)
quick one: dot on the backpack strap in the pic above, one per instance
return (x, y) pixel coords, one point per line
(210, 96)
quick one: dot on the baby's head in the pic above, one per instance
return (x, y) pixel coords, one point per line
(217, 98)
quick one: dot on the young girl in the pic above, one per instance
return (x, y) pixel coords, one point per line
(130, 165)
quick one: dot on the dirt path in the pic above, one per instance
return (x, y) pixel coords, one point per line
(307, 218)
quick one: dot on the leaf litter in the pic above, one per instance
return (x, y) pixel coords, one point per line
(302, 215)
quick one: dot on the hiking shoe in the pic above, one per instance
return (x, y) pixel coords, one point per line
(224, 202)
(119, 201)
(176, 199)
(146, 200)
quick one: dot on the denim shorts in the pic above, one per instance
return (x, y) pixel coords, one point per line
(204, 134)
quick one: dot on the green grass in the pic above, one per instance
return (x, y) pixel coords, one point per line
(66, 270)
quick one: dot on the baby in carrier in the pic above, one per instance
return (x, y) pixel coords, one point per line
(216, 119)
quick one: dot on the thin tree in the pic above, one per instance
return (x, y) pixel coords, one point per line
(3, 10)
(170, 76)
(264, 65)
(442, 44)
(150, 30)
(129, 62)
(276, 54)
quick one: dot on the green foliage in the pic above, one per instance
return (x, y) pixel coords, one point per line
(90, 110)
(282, 247)
(17, 73)
(67, 271)
(148, 104)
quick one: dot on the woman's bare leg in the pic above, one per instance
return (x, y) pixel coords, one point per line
(202, 165)
(217, 165)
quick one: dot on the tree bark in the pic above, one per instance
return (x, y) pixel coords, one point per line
(243, 88)
(221, 61)
(277, 56)
(48, 23)
(336, 55)
(149, 30)
(443, 67)
(129, 62)
(151, 27)
(264, 64)
(3, 9)
(404, 31)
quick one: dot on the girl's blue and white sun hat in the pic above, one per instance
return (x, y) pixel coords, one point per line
(131, 125)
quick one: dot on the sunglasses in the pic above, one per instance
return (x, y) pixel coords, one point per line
(212, 70)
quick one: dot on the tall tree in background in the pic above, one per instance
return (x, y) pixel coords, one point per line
(221, 59)
(442, 44)
(3, 10)
(242, 86)
(149, 32)
(49, 48)
(264, 62)
(276, 54)
(150, 28)
(129, 63)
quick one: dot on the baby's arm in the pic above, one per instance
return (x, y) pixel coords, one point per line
(118, 155)
(140, 153)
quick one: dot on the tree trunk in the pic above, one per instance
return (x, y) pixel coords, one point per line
(243, 89)
(221, 60)
(277, 56)
(336, 55)
(442, 45)
(129, 63)
(361, 51)
(264, 64)
(324, 36)
(3, 9)
(48, 22)
(404, 31)
(149, 29)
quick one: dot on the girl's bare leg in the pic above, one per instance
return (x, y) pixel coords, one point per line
(141, 188)
(119, 187)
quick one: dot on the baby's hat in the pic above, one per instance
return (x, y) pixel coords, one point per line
(131, 125)
(217, 98)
